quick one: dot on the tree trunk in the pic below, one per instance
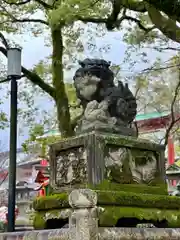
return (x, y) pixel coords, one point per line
(61, 99)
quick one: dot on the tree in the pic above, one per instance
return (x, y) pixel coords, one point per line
(60, 17)
(60, 37)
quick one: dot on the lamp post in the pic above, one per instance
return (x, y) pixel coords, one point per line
(13, 74)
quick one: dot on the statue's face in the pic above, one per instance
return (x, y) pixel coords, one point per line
(87, 85)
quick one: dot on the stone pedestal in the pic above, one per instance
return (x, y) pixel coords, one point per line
(84, 219)
(94, 157)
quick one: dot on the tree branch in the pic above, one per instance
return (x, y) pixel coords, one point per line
(159, 69)
(44, 4)
(16, 4)
(165, 48)
(166, 25)
(31, 20)
(129, 18)
(25, 19)
(4, 41)
(133, 5)
(169, 7)
(34, 78)
(111, 25)
(92, 20)
(174, 120)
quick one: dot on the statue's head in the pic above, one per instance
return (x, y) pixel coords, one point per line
(95, 67)
(88, 63)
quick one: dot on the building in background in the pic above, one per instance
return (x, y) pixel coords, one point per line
(153, 126)
(29, 166)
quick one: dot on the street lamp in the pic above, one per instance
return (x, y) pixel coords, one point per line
(13, 74)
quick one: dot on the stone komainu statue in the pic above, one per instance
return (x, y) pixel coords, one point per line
(94, 81)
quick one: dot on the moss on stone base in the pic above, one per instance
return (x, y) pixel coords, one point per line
(127, 141)
(39, 221)
(119, 198)
(110, 215)
(51, 202)
(41, 217)
(158, 189)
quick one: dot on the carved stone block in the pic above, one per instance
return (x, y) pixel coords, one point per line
(93, 157)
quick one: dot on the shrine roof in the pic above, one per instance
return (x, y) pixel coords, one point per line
(139, 117)
(22, 157)
(151, 115)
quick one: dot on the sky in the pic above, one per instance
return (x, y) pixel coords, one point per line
(33, 50)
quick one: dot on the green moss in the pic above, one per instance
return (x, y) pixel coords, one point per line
(159, 189)
(113, 198)
(110, 215)
(51, 202)
(119, 198)
(39, 221)
(130, 142)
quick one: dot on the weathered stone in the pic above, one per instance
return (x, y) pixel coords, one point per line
(94, 157)
(139, 234)
(84, 218)
(63, 214)
(130, 165)
(71, 167)
(58, 234)
(83, 198)
(104, 234)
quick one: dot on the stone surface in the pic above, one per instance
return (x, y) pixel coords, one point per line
(91, 158)
(63, 214)
(58, 234)
(82, 198)
(126, 165)
(84, 218)
(139, 234)
(71, 166)
(104, 234)
(104, 103)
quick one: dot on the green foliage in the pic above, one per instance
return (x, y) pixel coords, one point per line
(37, 130)
(3, 120)
(66, 16)
(71, 10)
